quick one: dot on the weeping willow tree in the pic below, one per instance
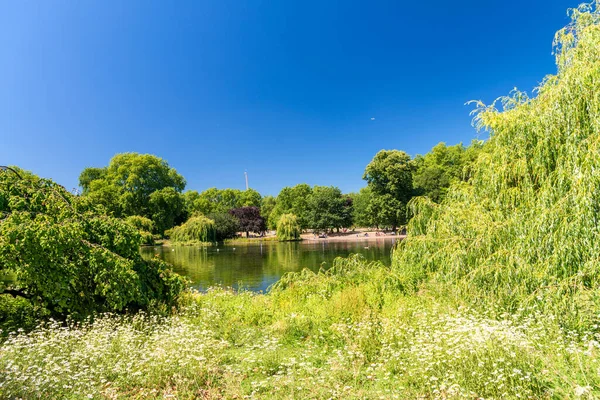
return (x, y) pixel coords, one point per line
(196, 229)
(288, 228)
(144, 225)
(524, 231)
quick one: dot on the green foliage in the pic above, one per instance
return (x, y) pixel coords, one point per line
(145, 227)
(436, 170)
(293, 200)
(524, 231)
(250, 198)
(266, 207)
(362, 215)
(389, 176)
(68, 258)
(328, 209)
(347, 332)
(167, 208)
(196, 229)
(386, 211)
(220, 201)
(226, 225)
(288, 228)
(141, 223)
(125, 186)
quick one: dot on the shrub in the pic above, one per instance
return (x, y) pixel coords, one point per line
(288, 228)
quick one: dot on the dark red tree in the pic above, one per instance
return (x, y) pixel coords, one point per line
(250, 219)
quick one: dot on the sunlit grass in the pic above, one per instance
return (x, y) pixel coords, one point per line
(334, 334)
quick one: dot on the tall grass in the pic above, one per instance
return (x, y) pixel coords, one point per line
(345, 333)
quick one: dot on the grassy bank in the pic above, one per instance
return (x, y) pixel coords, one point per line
(346, 333)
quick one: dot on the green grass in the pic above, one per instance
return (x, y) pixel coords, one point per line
(243, 240)
(345, 333)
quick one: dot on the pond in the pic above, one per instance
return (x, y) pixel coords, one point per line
(256, 266)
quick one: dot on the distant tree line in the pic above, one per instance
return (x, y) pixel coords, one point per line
(148, 193)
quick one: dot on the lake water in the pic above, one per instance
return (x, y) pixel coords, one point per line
(256, 266)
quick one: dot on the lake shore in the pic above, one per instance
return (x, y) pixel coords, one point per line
(349, 237)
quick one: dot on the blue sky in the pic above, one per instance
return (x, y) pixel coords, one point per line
(283, 89)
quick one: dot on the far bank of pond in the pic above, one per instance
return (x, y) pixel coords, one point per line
(256, 266)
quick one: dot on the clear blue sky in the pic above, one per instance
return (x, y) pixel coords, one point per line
(284, 89)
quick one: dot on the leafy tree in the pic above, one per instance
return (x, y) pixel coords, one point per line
(362, 213)
(250, 219)
(226, 225)
(522, 233)
(386, 211)
(329, 209)
(196, 229)
(293, 200)
(140, 223)
(288, 228)
(215, 200)
(190, 197)
(249, 198)
(144, 225)
(167, 208)
(436, 170)
(267, 206)
(88, 175)
(69, 258)
(389, 176)
(124, 187)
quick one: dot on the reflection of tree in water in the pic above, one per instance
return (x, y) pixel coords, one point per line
(256, 266)
(287, 257)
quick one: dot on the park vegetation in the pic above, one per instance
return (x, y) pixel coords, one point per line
(197, 229)
(494, 293)
(288, 228)
(137, 186)
(66, 257)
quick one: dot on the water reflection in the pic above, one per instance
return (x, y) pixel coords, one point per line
(257, 266)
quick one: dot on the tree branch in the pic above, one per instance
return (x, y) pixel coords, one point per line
(17, 293)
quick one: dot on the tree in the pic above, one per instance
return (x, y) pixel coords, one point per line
(125, 185)
(88, 175)
(436, 170)
(250, 219)
(362, 214)
(249, 198)
(69, 258)
(226, 225)
(288, 228)
(144, 225)
(267, 206)
(196, 229)
(215, 200)
(328, 209)
(389, 176)
(167, 208)
(386, 211)
(190, 197)
(293, 200)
